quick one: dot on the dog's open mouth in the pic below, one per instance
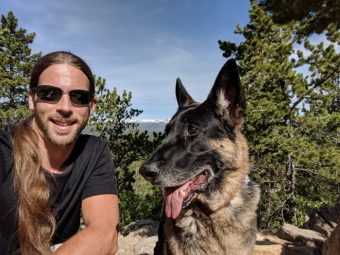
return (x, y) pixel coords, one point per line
(177, 197)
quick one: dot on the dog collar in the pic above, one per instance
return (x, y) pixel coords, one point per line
(247, 181)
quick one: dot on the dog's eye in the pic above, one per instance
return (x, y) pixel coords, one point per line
(192, 130)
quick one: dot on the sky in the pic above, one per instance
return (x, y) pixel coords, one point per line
(140, 46)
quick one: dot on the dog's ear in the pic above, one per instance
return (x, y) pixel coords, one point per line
(226, 95)
(183, 97)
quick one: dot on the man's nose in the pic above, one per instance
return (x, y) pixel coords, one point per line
(64, 103)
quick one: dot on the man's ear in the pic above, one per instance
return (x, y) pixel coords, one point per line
(182, 96)
(93, 105)
(226, 96)
(31, 95)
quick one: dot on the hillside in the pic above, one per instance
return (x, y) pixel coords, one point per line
(152, 126)
(148, 125)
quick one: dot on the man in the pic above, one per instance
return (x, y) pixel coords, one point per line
(50, 173)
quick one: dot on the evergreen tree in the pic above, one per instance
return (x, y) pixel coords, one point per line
(129, 146)
(112, 121)
(314, 16)
(292, 123)
(16, 63)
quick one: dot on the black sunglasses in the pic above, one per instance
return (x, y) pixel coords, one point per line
(53, 94)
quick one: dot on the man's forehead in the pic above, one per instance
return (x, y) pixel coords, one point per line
(64, 75)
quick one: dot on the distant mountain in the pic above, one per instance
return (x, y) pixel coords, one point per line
(148, 125)
(151, 125)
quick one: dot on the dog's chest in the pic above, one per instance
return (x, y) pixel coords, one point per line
(193, 234)
(190, 226)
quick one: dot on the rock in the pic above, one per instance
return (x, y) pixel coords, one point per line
(136, 245)
(144, 228)
(138, 238)
(268, 249)
(263, 238)
(324, 219)
(332, 244)
(300, 236)
(146, 245)
(267, 244)
(301, 250)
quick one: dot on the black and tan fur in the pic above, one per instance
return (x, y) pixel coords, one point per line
(210, 204)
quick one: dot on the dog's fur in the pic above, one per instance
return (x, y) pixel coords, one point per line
(210, 204)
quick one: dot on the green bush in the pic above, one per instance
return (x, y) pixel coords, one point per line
(141, 200)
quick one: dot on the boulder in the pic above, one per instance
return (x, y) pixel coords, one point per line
(300, 236)
(138, 238)
(324, 219)
(332, 244)
(267, 244)
(143, 227)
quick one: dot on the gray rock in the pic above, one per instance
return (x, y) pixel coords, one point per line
(300, 236)
(138, 238)
(324, 219)
(144, 228)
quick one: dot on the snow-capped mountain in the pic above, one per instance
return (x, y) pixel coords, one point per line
(151, 125)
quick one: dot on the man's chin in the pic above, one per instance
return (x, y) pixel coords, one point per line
(63, 140)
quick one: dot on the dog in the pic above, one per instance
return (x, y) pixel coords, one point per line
(209, 202)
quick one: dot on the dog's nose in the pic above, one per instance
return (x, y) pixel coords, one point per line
(149, 172)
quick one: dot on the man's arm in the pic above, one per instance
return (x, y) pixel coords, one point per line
(101, 217)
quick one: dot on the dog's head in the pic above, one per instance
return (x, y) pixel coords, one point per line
(203, 143)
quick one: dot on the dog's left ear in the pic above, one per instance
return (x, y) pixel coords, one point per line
(226, 96)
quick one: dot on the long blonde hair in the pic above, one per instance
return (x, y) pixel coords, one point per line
(36, 222)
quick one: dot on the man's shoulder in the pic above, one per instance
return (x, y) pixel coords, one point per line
(6, 157)
(91, 139)
(91, 143)
(5, 140)
(89, 150)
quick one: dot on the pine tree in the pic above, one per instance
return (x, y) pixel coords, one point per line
(129, 146)
(16, 63)
(313, 16)
(112, 121)
(292, 121)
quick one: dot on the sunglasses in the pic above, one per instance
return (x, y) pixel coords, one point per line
(51, 94)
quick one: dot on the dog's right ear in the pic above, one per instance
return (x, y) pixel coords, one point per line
(182, 96)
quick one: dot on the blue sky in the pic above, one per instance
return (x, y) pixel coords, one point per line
(141, 46)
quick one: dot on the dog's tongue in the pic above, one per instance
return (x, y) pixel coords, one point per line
(174, 200)
(176, 196)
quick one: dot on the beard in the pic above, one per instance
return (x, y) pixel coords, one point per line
(60, 139)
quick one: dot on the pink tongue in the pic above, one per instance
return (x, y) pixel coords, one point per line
(176, 196)
(174, 200)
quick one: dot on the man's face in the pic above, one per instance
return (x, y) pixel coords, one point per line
(60, 123)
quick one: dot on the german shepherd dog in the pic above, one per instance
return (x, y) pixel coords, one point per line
(209, 202)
